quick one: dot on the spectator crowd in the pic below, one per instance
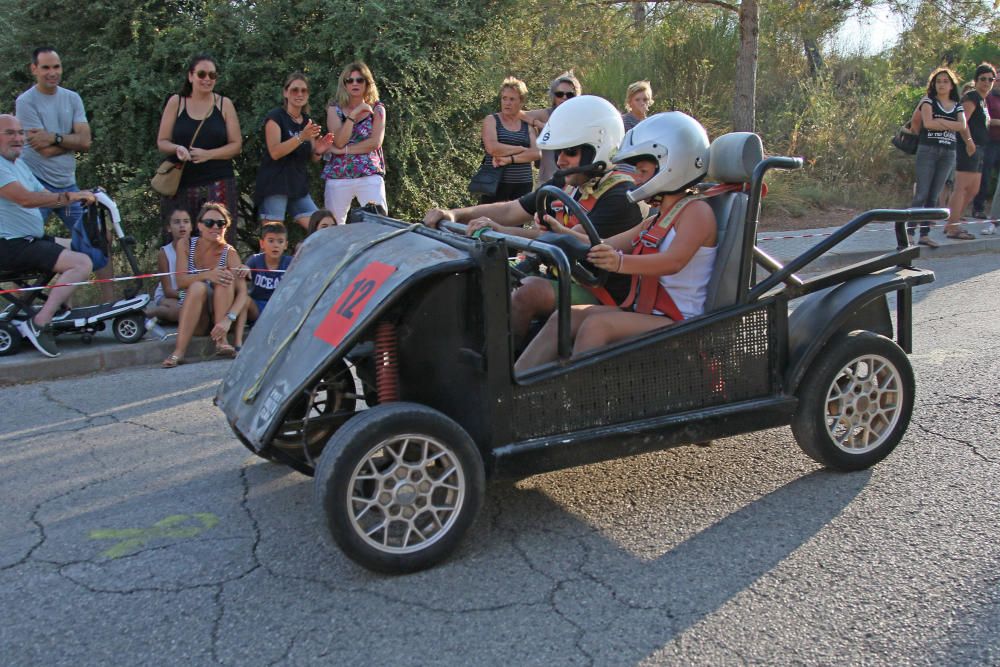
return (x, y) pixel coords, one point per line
(215, 292)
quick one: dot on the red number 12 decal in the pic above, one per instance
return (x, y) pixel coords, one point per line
(351, 303)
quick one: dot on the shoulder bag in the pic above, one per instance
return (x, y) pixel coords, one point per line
(167, 178)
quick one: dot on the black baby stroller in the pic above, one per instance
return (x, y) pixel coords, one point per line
(126, 314)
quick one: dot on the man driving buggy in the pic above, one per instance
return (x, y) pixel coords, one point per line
(24, 247)
(585, 132)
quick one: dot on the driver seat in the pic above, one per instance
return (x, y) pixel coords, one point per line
(732, 159)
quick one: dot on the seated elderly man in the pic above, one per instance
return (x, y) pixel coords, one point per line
(24, 247)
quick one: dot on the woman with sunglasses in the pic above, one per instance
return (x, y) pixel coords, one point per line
(509, 142)
(564, 87)
(208, 157)
(969, 156)
(355, 165)
(638, 99)
(291, 140)
(213, 289)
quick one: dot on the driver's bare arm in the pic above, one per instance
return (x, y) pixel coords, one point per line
(506, 213)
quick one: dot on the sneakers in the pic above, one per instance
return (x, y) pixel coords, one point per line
(989, 229)
(42, 338)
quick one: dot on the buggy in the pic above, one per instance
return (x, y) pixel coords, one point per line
(383, 365)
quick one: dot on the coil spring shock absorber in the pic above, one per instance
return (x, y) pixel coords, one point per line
(386, 362)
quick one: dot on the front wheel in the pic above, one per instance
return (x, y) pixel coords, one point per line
(10, 339)
(398, 486)
(855, 402)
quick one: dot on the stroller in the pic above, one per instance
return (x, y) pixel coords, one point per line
(128, 323)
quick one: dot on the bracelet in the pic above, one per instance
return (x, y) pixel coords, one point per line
(348, 118)
(62, 198)
(621, 261)
(512, 158)
(299, 137)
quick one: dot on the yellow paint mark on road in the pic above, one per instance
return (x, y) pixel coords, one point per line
(175, 527)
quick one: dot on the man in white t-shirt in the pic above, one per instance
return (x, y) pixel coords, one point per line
(23, 244)
(55, 123)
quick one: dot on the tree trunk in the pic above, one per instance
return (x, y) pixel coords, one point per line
(813, 55)
(745, 86)
(639, 15)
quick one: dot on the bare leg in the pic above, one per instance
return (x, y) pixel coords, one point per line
(249, 312)
(545, 346)
(303, 222)
(535, 298)
(72, 267)
(611, 326)
(168, 310)
(193, 317)
(222, 300)
(966, 187)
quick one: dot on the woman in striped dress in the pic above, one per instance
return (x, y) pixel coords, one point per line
(509, 142)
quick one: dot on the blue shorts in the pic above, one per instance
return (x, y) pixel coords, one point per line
(275, 207)
(260, 304)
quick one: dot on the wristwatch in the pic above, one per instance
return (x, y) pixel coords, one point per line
(58, 139)
(231, 316)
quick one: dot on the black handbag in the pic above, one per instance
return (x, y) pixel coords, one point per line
(905, 139)
(486, 181)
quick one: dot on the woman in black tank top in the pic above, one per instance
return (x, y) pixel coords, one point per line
(509, 142)
(208, 156)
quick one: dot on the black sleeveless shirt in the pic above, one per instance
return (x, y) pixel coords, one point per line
(212, 135)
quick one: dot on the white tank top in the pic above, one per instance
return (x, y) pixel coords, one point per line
(689, 286)
(171, 254)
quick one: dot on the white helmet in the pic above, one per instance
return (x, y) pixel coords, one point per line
(586, 120)
(679, 145)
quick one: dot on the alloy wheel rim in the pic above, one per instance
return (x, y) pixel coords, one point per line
(863, 404)
(6, 340)
(128, 328)
(405, 493)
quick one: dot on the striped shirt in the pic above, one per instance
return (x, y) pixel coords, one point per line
(519, 172)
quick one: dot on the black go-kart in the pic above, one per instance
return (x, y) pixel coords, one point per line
(125, 315)
(383, 366)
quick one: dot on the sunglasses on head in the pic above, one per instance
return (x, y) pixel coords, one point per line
(570, 152)
(349, 80)
(201, 74)
(213, 222)
(568, 94)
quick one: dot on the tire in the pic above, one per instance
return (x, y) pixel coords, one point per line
(10, 339)
(129, 328)
(855, 402)
(379, 478)
(317, 414)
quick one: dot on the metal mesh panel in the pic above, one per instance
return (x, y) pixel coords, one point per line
(727, 361)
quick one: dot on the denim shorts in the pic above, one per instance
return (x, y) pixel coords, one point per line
(276, 206)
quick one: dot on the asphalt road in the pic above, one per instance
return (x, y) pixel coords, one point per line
(137, 530)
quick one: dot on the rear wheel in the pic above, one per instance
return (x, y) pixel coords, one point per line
(129, 328)
(398, 487)
(855, 402)
(10, 339)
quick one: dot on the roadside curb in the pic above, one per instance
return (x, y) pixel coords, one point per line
(30, 366)
(836, 260)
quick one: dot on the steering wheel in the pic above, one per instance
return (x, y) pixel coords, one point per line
(583, 271)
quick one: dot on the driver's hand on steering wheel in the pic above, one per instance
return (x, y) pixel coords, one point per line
(481, 223)
(436, 215)
(548, 223)
(604, 257)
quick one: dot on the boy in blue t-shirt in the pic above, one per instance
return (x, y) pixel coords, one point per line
(267, 267)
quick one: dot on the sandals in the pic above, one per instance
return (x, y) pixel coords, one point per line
(961, 236)
(171, 362)
(929, 242)
(225, 350)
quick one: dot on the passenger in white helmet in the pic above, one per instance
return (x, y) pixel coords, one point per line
(669, 256)
(585, 132)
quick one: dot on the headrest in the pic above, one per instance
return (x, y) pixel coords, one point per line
(733, 156)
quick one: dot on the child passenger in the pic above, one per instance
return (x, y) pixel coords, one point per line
(167, 298)
(267, 267)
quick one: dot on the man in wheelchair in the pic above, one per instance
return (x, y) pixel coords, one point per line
(24, 247)
(584, 132)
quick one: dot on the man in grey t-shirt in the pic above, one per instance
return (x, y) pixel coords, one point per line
(56, 127)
